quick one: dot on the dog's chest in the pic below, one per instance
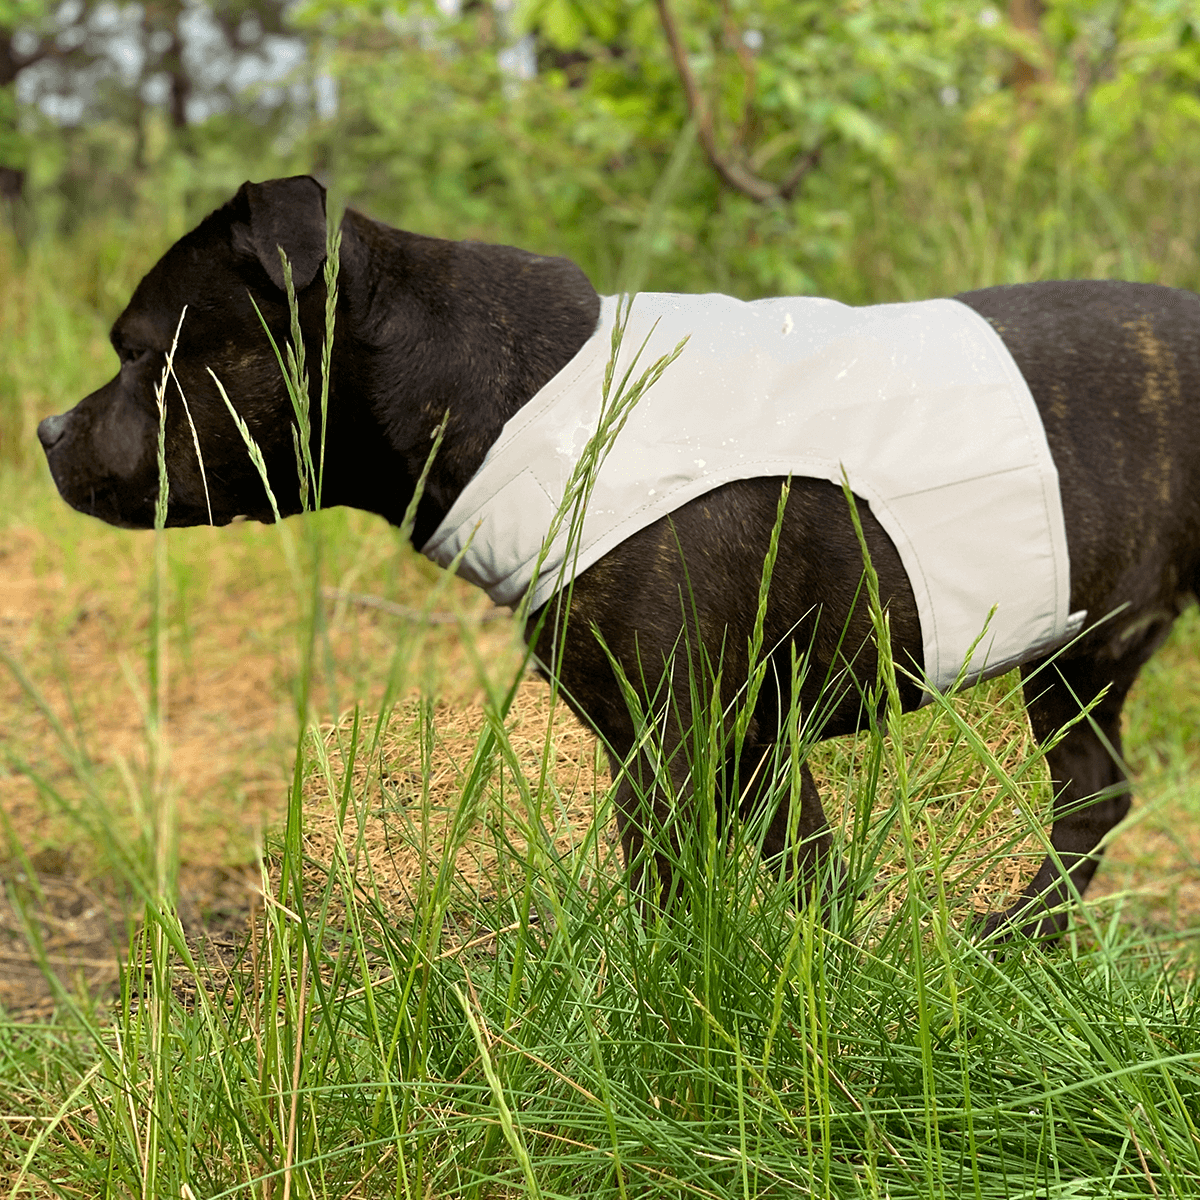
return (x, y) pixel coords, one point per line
(920, 405)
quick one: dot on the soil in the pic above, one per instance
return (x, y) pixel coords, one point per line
(74, 743)
(74, 622)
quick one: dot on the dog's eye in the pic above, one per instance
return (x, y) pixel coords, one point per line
(131, 354)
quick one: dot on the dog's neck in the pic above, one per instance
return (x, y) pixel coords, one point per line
(436, 329)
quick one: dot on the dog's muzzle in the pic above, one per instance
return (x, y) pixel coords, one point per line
(51, 429)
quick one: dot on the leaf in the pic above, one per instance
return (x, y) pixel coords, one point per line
(559, 21)
(856, 127)
(22, 12)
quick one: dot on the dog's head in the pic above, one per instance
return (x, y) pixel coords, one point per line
(103, 453)
(425, 328)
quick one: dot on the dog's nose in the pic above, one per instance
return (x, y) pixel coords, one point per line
(51, 429)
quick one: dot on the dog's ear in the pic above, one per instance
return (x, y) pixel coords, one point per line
(288, 213)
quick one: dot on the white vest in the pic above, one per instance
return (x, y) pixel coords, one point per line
(921, 404)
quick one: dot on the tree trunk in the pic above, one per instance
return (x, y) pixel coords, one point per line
(181, 84)
(1026, 17)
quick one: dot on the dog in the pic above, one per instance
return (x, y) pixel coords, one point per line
(432, 331)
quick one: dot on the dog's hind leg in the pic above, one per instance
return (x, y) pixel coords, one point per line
(1091, 791)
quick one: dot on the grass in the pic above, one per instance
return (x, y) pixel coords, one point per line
(444, 989)
(403, 1023)
(446, 993)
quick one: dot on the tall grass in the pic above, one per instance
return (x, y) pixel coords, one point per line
(520, 1030)
(531, 1035)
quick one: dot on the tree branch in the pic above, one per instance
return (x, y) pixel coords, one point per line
(729, 169)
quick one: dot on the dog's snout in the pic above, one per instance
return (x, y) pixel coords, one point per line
(51, 429)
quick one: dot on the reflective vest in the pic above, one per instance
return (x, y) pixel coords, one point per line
(920, 404)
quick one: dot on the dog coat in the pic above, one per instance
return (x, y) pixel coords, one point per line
(920, 404)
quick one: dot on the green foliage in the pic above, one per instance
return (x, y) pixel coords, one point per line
(14, 13)
(434, 133)
(14, 146)
(934, 176)
(905, 100)
(921, 143)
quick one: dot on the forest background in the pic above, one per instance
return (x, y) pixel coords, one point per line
(868, 151)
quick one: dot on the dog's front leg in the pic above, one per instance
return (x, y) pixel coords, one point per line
(641, 736)
(657, 812)
(649, 812)
(677, 784)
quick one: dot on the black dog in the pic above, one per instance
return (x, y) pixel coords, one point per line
(426, 327)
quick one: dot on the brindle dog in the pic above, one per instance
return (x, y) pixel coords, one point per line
(426, 327)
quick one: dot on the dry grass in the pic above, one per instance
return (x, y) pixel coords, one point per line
(73, 612)
(966, 814)
(402, 816)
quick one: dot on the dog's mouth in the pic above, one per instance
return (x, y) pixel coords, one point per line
(128, 503)
(108, 470)
(106, 503)
(113, 506)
